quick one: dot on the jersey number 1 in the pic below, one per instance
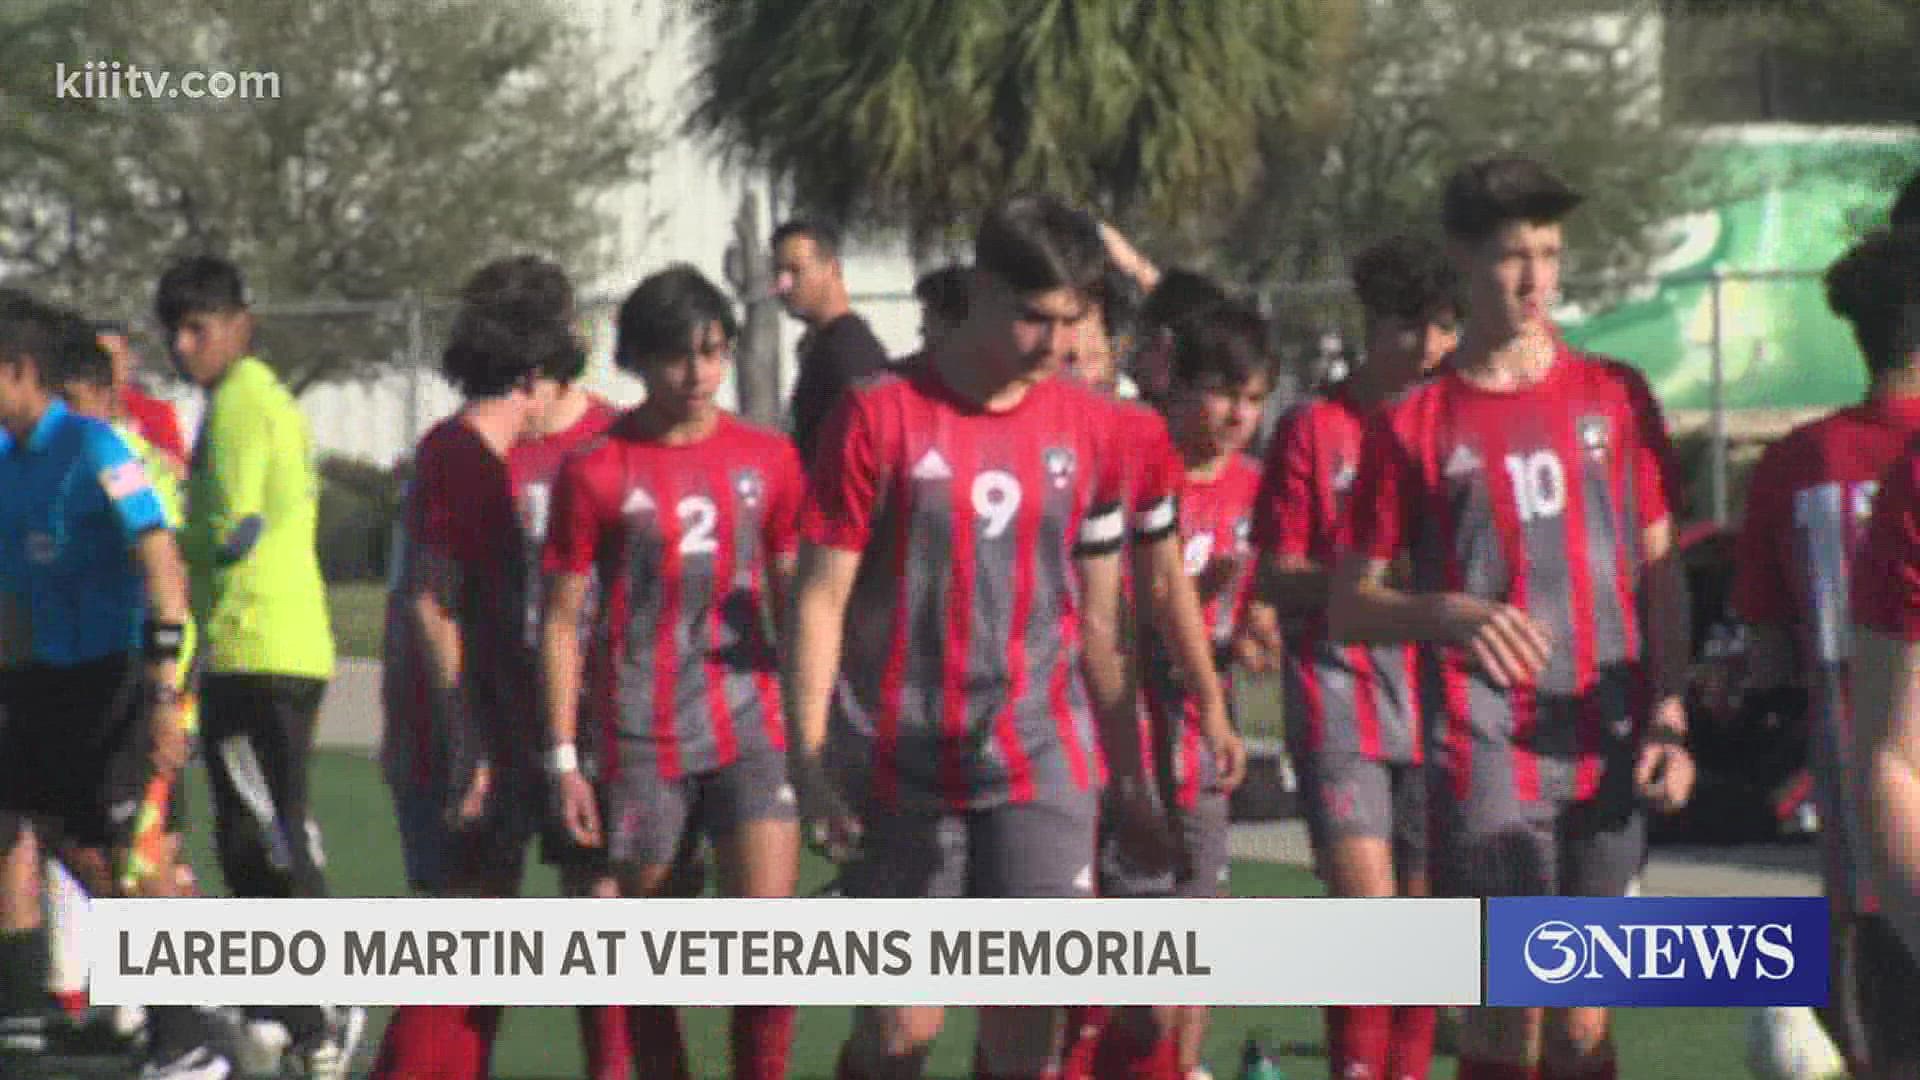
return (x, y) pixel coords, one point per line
(1539, 484)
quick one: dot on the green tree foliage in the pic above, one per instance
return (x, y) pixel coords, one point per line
(913, 114)
(408, 142)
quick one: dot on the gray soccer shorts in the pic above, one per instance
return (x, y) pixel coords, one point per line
(1347, 795)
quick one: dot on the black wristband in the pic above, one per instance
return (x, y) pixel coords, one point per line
(163, 640)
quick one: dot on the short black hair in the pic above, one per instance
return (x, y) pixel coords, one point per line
(30, 330)
(1033, 243)
(1487, 194)
(1409, 278)
(530, 290)
(944, 292)
(825, 237)
(198, 285)
(1876, 288)
(660, 317)
(1119, 298)
(1179, 292)
(1906, 208)
(79, 358)
(1222, 346)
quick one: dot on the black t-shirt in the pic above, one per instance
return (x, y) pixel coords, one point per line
(832, 358)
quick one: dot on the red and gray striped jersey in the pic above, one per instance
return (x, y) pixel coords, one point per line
(1340, 699)
(535, 466)
(1807, 507)
(458, 516)
(681, 673)
(1886, 591)
(1539, 498)
(960, 684)
(1216, 544)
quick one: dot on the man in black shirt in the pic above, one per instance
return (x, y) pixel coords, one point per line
(838, 347)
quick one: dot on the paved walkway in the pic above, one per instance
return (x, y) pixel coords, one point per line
(350, 719)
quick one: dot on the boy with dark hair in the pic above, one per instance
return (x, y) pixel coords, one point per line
(969, 509)
(91, 580)
(1353, 717)
(690, 513)
(1222, 370)
(252, 512)
(839, 348)
(1807, 509)
(1521, 483)
(459, 683)
(1906, 208)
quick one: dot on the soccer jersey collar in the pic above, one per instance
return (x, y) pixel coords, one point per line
(43, 432)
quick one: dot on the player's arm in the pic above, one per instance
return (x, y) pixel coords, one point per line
(1664, 771)
(1285, 517)
(436, 578)
(142, 518)
(1761, 594)
(242, 441)
(1181, 622)
(810, 659)
(1366, 603)
(834, 528)
(1886, 754)
(1135, 807)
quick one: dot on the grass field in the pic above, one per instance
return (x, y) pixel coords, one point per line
(364, 860)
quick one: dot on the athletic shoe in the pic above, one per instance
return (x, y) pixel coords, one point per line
(329, 1055)
(199, 1063)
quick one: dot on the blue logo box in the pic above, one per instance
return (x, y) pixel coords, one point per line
(1657, 951)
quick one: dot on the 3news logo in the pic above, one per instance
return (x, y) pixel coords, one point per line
(1653, 951)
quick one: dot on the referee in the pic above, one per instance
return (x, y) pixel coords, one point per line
(93, 598)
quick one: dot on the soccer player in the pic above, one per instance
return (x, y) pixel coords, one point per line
(1222, 371)
(1886, 700)
(252, 509)
(968, 510)
(688, 514)
(460, 746)
(1352, 712)
(1520, 485)
(149, 417)
(93, 585)
(1807, 508)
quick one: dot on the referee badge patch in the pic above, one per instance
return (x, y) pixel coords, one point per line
(124, 480)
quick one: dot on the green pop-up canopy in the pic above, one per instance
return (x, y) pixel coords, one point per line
(1791, 200)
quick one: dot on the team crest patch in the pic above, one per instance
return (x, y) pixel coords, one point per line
(1594, 435)
(1243, 533)
(750, 487)
(1344, 475)
(1059, 465)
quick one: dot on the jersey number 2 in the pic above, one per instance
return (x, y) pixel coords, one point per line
(1539, 484)
(698, 517)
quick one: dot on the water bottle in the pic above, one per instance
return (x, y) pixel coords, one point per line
(1256, 1065)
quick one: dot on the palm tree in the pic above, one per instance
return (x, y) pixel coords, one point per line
(913, 114)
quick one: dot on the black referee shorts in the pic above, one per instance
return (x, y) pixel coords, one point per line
(75, 749)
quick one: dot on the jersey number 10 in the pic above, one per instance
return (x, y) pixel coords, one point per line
(1539, 484)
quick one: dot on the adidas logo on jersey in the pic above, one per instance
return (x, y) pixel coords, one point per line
(1462, 461)
(932, 466)
(638, 502)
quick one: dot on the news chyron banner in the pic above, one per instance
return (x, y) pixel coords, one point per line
(815, 951)
(1642, 951)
